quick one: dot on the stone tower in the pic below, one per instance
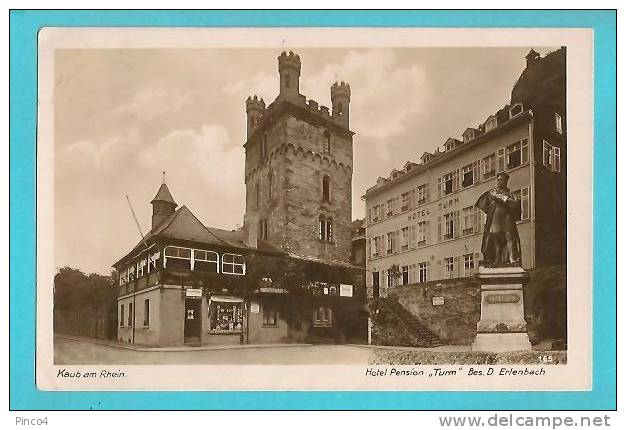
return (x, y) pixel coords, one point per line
(298, 170)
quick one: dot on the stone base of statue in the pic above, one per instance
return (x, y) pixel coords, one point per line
(502, 326)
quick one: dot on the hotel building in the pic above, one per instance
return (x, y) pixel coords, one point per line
(421, 221)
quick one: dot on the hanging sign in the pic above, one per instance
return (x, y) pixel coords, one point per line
(255, 308)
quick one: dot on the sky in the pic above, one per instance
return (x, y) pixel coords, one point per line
(123, 116)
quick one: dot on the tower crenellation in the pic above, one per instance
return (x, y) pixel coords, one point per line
(289, 68)
(340, 98)
(255, 107)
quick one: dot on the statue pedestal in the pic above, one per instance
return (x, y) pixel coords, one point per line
(502, 326)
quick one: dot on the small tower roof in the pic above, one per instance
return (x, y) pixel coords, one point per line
(532, 54)
(164, 195)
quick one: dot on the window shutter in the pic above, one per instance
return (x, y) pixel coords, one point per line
(439, 185)
(439, 226)
(457, 223)
(476, 258)
(442, 269)
(457, 268)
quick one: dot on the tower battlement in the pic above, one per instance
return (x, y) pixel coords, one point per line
(290, 60)
(255, 103)
(340, 90)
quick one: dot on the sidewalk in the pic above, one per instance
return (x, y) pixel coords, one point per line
(145, 348)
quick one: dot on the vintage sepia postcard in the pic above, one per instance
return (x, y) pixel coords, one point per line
(314, 209)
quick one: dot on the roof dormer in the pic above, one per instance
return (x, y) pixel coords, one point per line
(515, 110)
(469, 134)
(491, 123)
(426, 157)
(451, 143)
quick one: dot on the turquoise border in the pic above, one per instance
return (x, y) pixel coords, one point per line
(23, 86)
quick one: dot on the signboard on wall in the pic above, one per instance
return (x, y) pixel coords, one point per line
(345, 290)
(193, 292)
(438, 301)
(255, 308)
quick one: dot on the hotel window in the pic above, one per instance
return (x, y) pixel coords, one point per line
(491, 124)
(421, 233)
(146, 313)
(422, 194)
(469, 264)
(326, 188)
(501, 159)
(523, 195)
(556, 159)
(412, 236)
(404, 238)
(449, 145)
(517, 154)
(449, 229)
(391, 242)
(205, 261)
(323, 317)
(468, 220)
(375, 245)
(448, 268)
(131, 273)
(476, 171)
(406, 201)
(270, 185)
(130, 315)
(390, 207)
(391, 280)
(449, 182)
(121, 317)
(270, 316)
(489, 166)
(327, 142)
(405, 275)
(422, 269)
(558, 123)
(547, 154)
(376, 213)
(177, 258)
(468, 176)
(233, 264)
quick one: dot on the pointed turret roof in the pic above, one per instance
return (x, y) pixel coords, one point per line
(164, 195)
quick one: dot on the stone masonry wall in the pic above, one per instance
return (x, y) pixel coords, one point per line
(454, 321)
(305, 169)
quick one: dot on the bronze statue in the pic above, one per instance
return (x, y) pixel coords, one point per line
(500, 245)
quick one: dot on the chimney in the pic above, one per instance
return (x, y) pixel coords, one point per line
(251, 224)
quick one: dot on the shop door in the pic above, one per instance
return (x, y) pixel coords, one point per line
(192, 320)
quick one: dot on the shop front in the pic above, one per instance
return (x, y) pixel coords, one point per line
(226, 320)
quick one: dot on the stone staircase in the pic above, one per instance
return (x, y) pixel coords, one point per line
(415, 333)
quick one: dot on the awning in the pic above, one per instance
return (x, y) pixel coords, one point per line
(225, 299)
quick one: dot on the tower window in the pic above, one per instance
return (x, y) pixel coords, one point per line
(287, 80)
(340, 109)
(264, 147)
(327, 142)
(326, 188)
(270, 185)
(325, 229)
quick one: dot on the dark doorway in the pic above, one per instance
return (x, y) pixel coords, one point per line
(193, 320)
(376, 284)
